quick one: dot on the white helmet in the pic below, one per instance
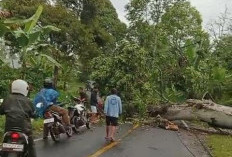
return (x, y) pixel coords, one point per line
(20, 86)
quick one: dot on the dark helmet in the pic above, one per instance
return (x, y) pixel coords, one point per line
(48, 83)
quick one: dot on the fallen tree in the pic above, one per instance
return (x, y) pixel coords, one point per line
(204, 110)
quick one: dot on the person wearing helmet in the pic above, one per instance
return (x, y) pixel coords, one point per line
(48, 96)
(19, 111)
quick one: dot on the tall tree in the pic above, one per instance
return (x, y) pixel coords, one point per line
(74, 5)
(223, 51)
(101, 17)
(107, 30)
(144, 16)
(149, 11)
(171, 31)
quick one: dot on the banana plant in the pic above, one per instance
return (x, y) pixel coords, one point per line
(26, 35)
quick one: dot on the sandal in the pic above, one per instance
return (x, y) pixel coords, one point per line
(112, 139)
(107, 138)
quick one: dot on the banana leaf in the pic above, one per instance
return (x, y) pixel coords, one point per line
(3, 29)
(49, 58)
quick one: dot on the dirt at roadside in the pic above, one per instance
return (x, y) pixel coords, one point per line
(194, 142)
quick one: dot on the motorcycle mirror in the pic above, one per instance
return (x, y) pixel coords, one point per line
(39, 105)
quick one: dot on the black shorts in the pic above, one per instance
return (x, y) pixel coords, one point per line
(111, 121)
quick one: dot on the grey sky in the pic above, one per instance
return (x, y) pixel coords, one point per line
(209, 9)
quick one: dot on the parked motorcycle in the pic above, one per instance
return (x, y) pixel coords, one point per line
(15, 144)
(79, 115)
(54, 125)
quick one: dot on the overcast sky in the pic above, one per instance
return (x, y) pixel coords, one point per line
(209, 9)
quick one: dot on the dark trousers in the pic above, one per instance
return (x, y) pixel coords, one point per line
(31, 146)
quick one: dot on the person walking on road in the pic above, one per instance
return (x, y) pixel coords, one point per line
(112, 110)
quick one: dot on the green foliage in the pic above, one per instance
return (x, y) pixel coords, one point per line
(2, 126)
(166, 57)
(118, 69)
(100, 17)
(223, 51)
(164, 54)
(7, 76)
(127, 70)
(221, 145)
(226, 91)
(37, 126)
(147, 10)
(78, 36)
(27, 37)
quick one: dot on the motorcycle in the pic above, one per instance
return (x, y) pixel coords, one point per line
(54, 125)
(15, 144)
(78, 115)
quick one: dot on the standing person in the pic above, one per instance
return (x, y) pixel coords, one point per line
(19, 111)
(48, 96)
(112, 110)
(94, 103)
(82, 94)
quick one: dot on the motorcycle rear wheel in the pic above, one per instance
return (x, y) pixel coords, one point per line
(75, 123)
(6, 154)
(69, 132)
(55, 137)
(87, 125)
(86, 119)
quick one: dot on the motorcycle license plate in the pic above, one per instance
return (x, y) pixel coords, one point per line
(50, 120)
(12, 147)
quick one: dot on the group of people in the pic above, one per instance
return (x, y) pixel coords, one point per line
(112, 109)
(19, 109)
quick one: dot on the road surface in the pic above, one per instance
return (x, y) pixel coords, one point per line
(137, 142)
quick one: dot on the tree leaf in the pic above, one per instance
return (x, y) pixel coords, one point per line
(219, 74)
(49, 28)
(3, 29)
(16, 21)
(34, 37)
(33, 20)
(190, 51)
(52, 60)
(22, 39)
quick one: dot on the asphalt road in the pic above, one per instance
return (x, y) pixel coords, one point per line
(141, 142)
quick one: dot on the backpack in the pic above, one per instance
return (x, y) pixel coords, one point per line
(40, 99)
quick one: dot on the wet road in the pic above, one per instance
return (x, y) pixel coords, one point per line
(81, 145)
(141, 142)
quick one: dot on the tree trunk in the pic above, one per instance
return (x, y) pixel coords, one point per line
(215, 118)
(211, 106)
(64, 86)
(207, 111)
(24, 64)
(56, 72)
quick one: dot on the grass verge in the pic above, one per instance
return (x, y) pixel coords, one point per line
(220, 144)
(37, 126)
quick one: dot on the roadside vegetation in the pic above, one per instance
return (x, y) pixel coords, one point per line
(220, 145)
(163, 55)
